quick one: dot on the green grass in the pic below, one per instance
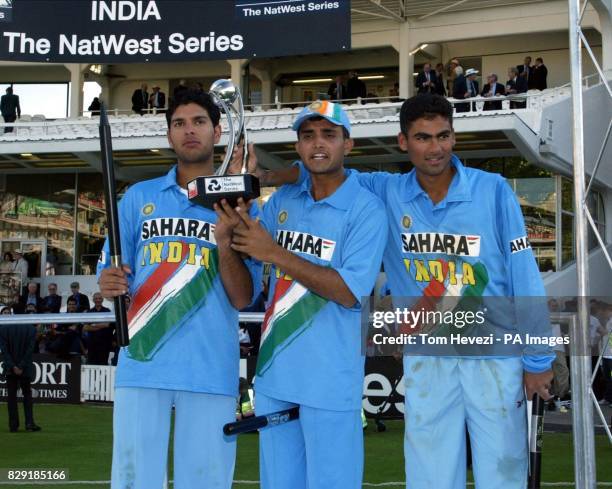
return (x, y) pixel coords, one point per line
(79, 439)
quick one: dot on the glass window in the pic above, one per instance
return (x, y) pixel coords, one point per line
(91, 222)
(538, 200)
(41, 209)
(568, 245)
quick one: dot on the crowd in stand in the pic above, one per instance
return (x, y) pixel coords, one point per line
(461, 83)
(93, 342)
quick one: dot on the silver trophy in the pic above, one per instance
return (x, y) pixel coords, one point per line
(206, 191)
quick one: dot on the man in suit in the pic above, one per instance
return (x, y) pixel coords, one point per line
(460, 89)
(516, 84)
(539, 73)
(525, 69)
(157, 100)
(17, 343)
(53, 302)
(426, 80)
(493, 89)
(440, 90)
(355, 87)
(82, 301)
(31, 297)
(140, 100)
(337, 90)
(10, 108)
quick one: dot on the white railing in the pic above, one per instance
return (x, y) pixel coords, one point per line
(97, 383)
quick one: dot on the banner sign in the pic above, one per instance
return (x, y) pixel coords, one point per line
(383, 385)
(136, 31)
(55, 381)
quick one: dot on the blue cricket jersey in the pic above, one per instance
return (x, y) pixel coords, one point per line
(183, 328)
(473, 242)
(310, 350)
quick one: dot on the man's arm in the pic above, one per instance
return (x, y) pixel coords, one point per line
(235, 276)
(255, 241)
(27, 354)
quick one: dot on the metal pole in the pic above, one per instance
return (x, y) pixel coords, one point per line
(582, 413)
(94, 317)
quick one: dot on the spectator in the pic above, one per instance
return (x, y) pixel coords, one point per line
(516, 84)
(32, 297)
(493, 89)
(53, 302)
(460, 89)
(355, 88)
(524, 70)
(65, 339)
(7, 265)
(440, 90)
(17, 344)
(337, 90)
(453, 65)
(394, 93)
(539, 74)
(560, 383)
(94, 106)
(605, 319)
(6, 310)
(140, 99)
(20, 266)
(179, 89)
(426, 80)
(157, 100)
(99, 336)
(245, 407)
(82, 301)
(472, 85)
(10, 108)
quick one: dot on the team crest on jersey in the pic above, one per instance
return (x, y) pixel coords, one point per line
(282, 217)
(148, 209)
(306, 243)
(406, 221)
(519, 244)
(448, 244)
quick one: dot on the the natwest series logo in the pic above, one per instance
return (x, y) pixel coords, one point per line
(306, 243)
(448, 244)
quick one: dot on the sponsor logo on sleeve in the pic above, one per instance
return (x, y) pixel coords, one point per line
(519, 244)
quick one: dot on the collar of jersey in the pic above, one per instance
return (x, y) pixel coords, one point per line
(170, 179)
(457, 192)
(341, 198)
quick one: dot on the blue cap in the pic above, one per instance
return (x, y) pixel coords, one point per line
(326, 109)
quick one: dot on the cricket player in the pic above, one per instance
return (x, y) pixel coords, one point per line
(482, 249)
(324, 238)
(187, 286)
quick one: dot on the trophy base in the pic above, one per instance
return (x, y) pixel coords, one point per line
(206, 191)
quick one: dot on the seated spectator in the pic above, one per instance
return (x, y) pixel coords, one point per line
(82, 301)
(6, 310)
(99, 336)
(493, 89)
(394, 92)
(65, 339)
(516, 84)
(53, 302)
(31, 297)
